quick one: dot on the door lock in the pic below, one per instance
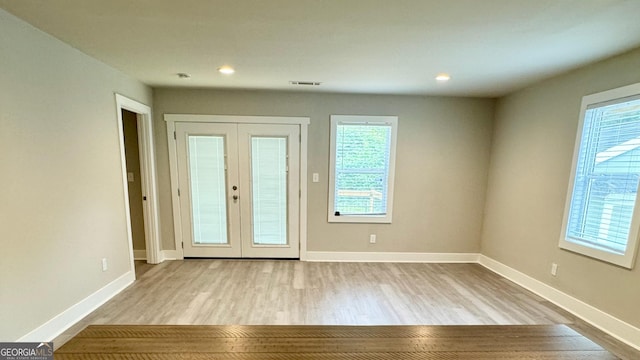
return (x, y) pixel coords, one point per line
(234, 187)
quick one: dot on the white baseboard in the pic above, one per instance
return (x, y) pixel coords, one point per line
(613, 326)
(399, 257)
(170, 255)
(54, 327)
(140, 254)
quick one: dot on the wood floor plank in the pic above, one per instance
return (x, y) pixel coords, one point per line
(290, 293)
(266, 292)
(354, 345)
(333, 342)
(588, 355)
(293, 331)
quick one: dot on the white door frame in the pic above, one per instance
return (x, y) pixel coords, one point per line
(172, 119)
(147, 175)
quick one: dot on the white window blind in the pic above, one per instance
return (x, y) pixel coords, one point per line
(604, 195)
(269, 190)
(363, 151)
(208, 189)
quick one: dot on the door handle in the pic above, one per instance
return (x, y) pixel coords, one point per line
(235, 197)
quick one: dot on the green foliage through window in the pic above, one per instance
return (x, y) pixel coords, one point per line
(361, 168)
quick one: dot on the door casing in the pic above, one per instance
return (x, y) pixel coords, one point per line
(172, 119)
(148, 177)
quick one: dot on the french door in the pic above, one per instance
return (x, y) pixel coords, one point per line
(239, 189)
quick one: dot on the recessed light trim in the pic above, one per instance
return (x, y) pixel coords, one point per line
(443, 77)
(226, 69)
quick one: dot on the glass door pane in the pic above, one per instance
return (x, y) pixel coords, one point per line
(269, 190)
(208, 189)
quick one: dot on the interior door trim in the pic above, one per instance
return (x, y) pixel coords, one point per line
(172, 119)
(149, 181)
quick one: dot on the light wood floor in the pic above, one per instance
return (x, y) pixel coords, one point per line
(326, 342)
(267, 292)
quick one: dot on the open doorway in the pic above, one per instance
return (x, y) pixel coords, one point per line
(134, 183)
(139, 179)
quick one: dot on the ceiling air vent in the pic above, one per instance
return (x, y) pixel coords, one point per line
(309, 83)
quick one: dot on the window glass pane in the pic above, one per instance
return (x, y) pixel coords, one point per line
(269, 190)
(362, 169)
(607, 175)
(208, 195)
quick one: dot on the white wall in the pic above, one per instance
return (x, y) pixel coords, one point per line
(441, 166)
(533, 144)
(61, 192)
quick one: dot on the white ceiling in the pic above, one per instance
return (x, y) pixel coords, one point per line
(490, 47)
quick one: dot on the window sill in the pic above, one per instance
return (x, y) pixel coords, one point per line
(360, 219)
(625, 260)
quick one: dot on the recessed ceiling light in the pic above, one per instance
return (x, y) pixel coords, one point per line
(183, 76)
(227, 70)
(443, 77)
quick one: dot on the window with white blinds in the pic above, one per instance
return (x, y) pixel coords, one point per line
(362, 168)
(603, 216)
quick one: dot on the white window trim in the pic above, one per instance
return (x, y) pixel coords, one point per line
(627, 259)
(362, 119)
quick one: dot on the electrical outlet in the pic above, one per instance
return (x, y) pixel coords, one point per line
(372, 239)
(105, 265)
(316, 177)
(554, 269)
